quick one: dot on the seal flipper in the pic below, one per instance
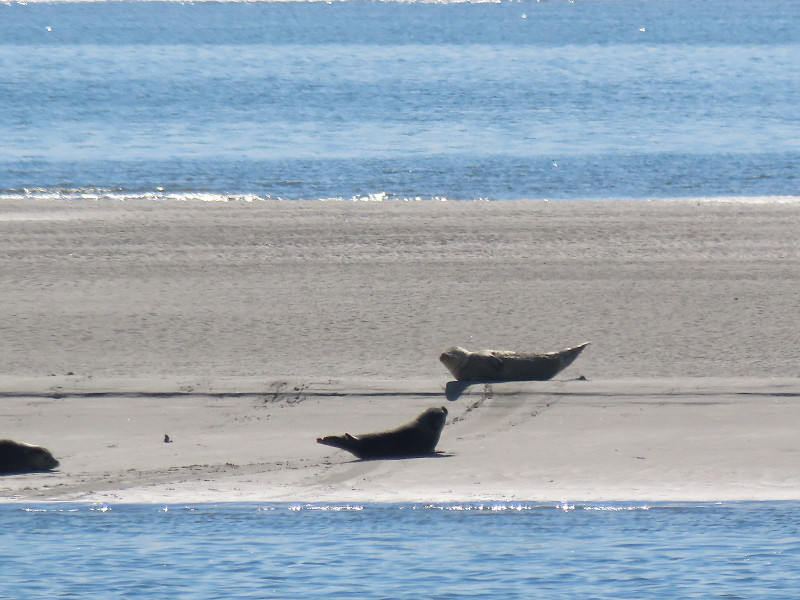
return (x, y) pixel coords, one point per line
(329, 440)
(496, 365)
(343, 442)
(495, 362)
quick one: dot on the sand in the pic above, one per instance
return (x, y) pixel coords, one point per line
(246, 330)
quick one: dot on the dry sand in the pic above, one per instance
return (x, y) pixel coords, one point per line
(246, 330)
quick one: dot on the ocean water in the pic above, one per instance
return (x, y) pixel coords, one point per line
(507, 100)
(747, 550)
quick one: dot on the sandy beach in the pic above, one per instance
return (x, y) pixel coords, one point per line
(246, 330)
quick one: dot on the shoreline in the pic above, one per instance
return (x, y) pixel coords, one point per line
(112, 195)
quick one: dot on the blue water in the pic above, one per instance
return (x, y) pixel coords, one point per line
(514, 100)
(748, 550)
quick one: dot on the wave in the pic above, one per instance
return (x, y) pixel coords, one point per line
(111, 195)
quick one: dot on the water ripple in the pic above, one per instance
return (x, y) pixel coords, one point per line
(483, 550)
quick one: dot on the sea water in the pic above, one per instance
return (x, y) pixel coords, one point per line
(491, 550)
(507, 100)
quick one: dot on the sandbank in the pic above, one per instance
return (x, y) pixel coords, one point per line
(246, 330)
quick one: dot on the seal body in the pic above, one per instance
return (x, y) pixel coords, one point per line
(417, 438)
(18, 457)
(501, 365)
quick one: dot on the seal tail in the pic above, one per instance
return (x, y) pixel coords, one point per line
(567, 356)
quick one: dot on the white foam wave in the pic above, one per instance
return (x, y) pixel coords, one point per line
(106, 195)
(497, 507)
(327, 507)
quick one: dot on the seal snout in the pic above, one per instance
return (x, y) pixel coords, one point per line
(44, 460)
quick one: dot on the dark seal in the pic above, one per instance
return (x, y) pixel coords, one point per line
(18, 457)
(489, 366)
(417, 438)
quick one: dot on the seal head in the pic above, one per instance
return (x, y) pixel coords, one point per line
(19, 457)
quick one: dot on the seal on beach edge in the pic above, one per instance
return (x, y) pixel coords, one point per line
(489, 366)
(417, 438)
(19, 457)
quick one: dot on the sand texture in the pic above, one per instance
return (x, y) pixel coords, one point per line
(245, 331)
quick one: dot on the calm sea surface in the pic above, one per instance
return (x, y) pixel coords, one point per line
(749, 550)
(513, 100)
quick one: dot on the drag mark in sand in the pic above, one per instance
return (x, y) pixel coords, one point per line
(282, 394)
(487, 394)
(79, 486)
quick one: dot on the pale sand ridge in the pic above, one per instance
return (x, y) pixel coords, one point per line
(648, 440)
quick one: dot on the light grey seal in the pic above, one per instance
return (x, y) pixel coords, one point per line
(417, 438)
(500, 365)
(18, 457)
